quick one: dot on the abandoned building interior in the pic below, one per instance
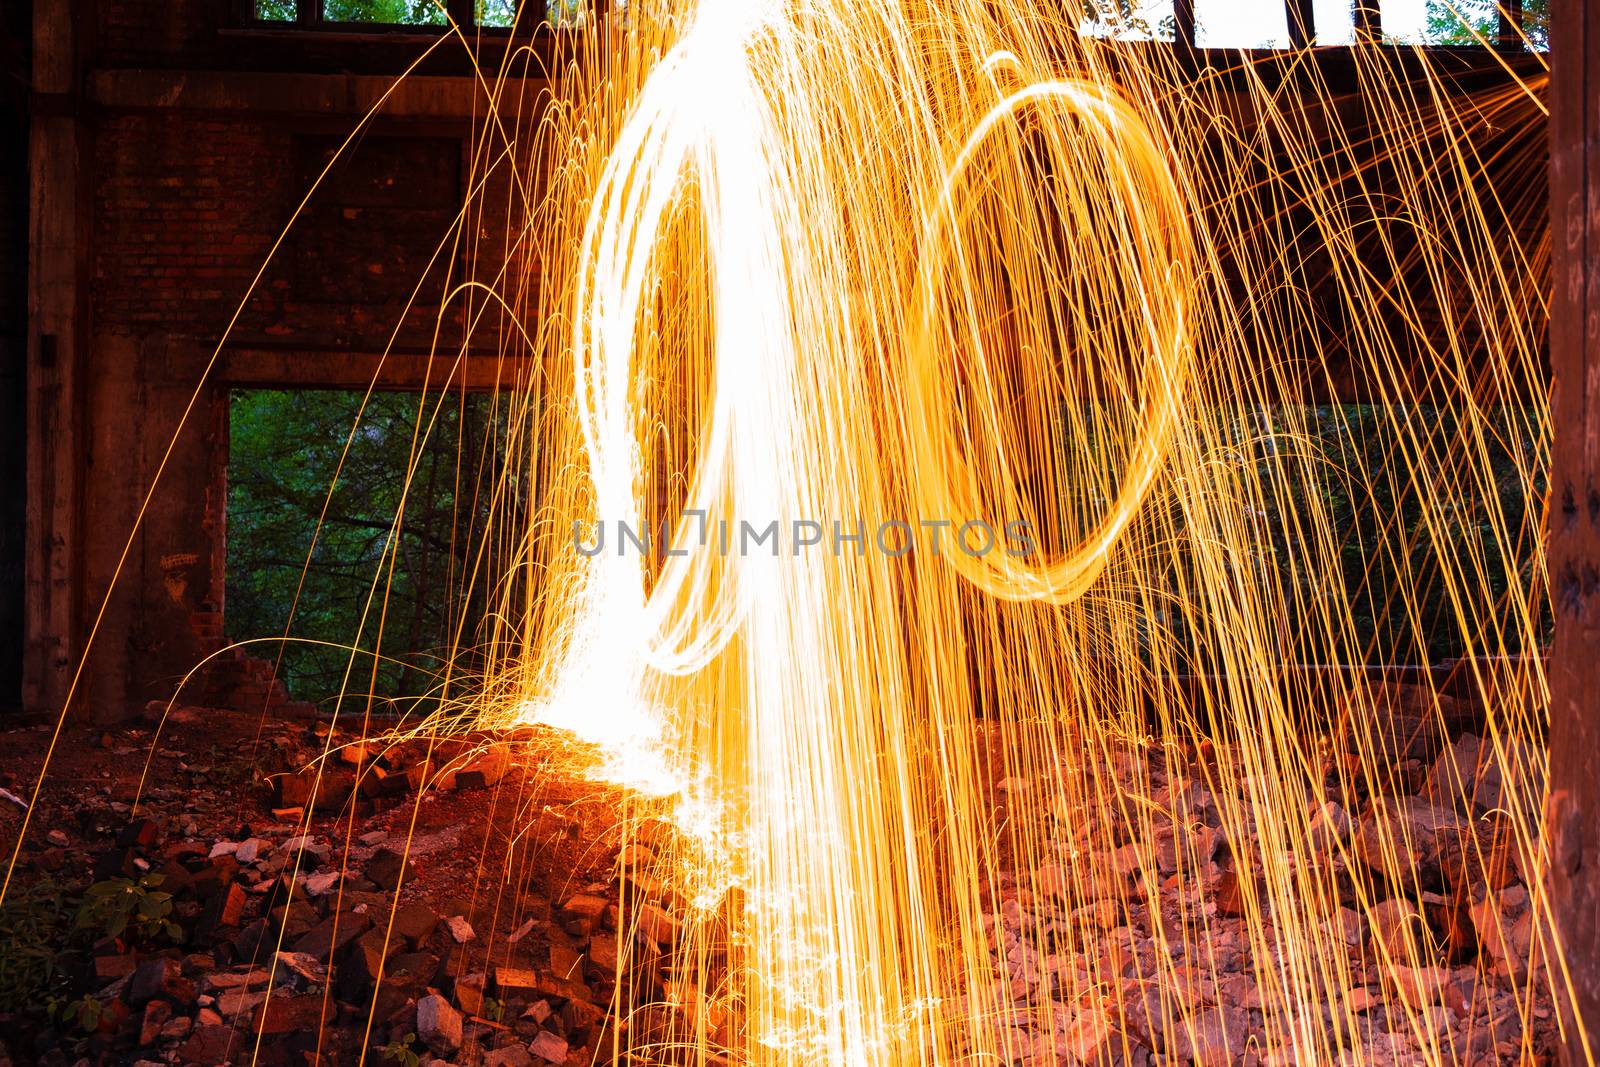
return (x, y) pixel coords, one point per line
(220, 246)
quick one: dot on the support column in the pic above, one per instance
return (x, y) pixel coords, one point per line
(1573, 813)
(1301, 18)
(57, 303)
(1369, 22)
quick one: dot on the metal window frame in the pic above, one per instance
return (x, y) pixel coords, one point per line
(1299, 15)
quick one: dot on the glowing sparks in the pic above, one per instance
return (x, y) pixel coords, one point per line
(890, 261)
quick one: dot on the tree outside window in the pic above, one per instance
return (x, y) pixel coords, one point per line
(387, 12)
(1469, 22)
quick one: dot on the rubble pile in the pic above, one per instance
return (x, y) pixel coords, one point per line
(1145, 932)
(265, 906)
(220, 891)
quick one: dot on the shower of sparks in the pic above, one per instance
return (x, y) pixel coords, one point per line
(947, 260)
(932, 261)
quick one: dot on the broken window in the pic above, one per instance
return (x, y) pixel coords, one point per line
(1241, 24)
(495, 13)
(1355, 466)
(1473, 22)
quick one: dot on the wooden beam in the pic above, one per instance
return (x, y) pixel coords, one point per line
(456, 99)
(1508, 32)
(1573, 810)
(1369, 21)
(1184, 32)
(1302, 20)
(264, 368)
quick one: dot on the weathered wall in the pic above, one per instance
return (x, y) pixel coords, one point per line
(15, 39)
(1573, 826)
(170, 148)
(188, 206)
(160, 188)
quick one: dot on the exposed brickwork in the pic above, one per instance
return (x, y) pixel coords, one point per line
(161, 32)
(187, 209)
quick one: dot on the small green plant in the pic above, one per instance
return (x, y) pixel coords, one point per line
(133, 911)
(84, 1012)
(401, 1051)
(33, 925)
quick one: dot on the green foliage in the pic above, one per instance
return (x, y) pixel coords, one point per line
(134, 911)
(361, 580)
(497, 13)
(84, 1012)
(1470, 22)
(1123, 19)
(34, 923)
(402, 1051)
(275, 10)
(1400, 544)
(493, 13)
(566, 12)
(388, 12)
(47, 930)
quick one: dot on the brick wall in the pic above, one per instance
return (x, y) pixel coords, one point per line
(188, 208)
(160, 33)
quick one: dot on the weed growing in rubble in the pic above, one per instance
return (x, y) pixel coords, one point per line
(33, 924)
(134, 911)
(85, 1012)
(401, 1052)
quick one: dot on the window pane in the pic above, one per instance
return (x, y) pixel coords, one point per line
(1464, 22)
(1536, 24)
(1128, 20)
(1336, 21)
(1406, 21)
(274, 10)
(1461, 22)
(1241, 24)
(499, 13)
(391, 12)
(566, 12)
